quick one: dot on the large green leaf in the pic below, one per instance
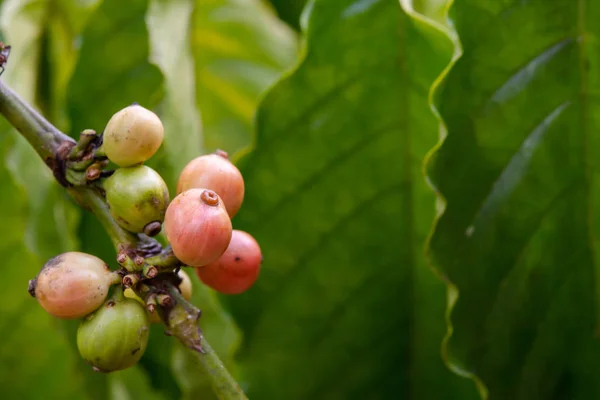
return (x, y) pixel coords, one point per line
(50, 223)
(518, 172)
(289, 11)
(36, 359)
(132, 384)
(434, 9)
(239, 49)
(169, 27)
(52, 218)
(63, 22)
(113, 70)
(345, 306)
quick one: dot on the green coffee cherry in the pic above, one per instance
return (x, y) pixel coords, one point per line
(115, 336)
(138, 198)
(132, 136)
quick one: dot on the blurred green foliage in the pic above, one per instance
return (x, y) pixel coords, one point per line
(346, 131)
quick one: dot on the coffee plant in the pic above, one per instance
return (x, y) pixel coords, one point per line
(299, 199)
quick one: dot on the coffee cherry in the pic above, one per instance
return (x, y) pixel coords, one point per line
(115, 336)
(132, 136)
(72, 285)
(237, 269)
(215, 172)
(185, 287)
(138, 198)
(197, 226)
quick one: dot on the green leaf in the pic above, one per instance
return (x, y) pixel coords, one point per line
(346, 306)
(132, 384)
(178, 111)
(289, 11)
(434, 9)
(36, 357)
(113, 70)
(52, 216)
(63, 22)
(239, 49)
(517, 170)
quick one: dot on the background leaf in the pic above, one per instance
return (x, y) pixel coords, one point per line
(343, 310)
(434, 9)
(35, 354)
(178, 112)
(289, 11)
(239, 49)
(50, 223)
(518, 236)
(113, 70)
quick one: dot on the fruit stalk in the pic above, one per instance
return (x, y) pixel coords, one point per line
(179, 321)
(53, 147)
(93, 201)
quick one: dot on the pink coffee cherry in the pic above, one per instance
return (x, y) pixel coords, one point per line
(217, 173)
(197, 226)
(73, 285)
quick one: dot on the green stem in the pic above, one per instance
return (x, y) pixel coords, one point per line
(53, 147)
(222, 382)
(46, 139)
(179, 320)
(166, 260)
(93, 201)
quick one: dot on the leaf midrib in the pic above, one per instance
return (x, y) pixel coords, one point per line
(583, 95)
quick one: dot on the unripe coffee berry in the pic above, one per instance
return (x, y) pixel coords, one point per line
(138, 198)
(197, 226)
(73, 284)
(115, 336)
(217, 173)
(237, 269)
(132, 136)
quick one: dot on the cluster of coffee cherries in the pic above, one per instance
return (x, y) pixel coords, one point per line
(116, 307)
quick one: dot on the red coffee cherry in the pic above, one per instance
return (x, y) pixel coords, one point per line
(237, 269)
(215, 172)
(72, 285)
(197, 226)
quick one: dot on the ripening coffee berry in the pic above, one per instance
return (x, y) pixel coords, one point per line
(237, 269)
(132, 136)
(115, 336)
(138, 198)
(197, 226)
(215, 172)
(72, 285)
